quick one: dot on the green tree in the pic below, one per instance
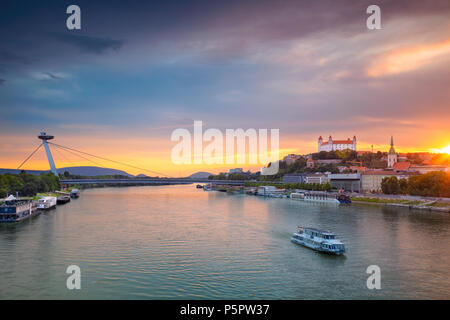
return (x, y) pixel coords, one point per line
(403, 185)
(30, 188)
(3, 187)
(13, 183)
(390, 185)
(431, 184)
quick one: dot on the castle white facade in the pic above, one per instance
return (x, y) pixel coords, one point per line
(333, 145)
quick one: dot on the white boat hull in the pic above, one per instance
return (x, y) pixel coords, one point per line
(309, 243)
(46, 203)
(46, 206)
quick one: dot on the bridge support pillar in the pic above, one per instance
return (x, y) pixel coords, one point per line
(44, 137)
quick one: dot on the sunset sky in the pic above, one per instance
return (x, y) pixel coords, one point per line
(136, 71)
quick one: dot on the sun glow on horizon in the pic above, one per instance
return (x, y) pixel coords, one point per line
(446, 149)
(443, 150)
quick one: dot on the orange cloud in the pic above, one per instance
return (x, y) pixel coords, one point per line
(404, 60)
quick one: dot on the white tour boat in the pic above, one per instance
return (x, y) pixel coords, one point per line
(46, 203)
(321, 197)
(16, 210)
(320, 240)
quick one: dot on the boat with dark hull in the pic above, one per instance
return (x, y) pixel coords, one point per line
(63, 199)
(15, 210)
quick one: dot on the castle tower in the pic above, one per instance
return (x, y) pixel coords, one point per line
(320, 143)
(44, 137)
(354, 143)
(392, 155)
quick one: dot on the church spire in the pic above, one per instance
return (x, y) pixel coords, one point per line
(392, 150)
(392, 155)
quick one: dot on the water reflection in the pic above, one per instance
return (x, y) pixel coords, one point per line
(181, 242)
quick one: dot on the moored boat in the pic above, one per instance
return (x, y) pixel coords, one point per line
(75, 193)
(16, 210)
(319, 240)
(46, 203)
(270, 191)
(321, 197)
(344, 199)
(63, 199)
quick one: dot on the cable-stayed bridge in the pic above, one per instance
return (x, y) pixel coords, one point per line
(160, 178)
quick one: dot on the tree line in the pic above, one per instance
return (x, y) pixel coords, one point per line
(28, 184)
(431, 184)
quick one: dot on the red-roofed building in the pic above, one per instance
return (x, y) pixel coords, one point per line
(402, 166)
(291, 158)
(333, 145)
(310, 163)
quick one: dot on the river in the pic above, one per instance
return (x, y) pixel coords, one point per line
(179, 242)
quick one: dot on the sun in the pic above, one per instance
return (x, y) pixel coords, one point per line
(445, 149)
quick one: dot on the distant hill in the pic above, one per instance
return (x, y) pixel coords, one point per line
(200, 175)
(93, 171)
(79, 171)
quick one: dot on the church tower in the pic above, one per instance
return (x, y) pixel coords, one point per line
(392, 155)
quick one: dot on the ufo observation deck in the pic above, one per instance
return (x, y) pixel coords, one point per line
(45, 136)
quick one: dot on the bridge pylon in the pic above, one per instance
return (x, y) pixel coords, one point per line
(45, 137)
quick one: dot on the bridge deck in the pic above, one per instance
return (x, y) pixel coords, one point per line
(151, 181)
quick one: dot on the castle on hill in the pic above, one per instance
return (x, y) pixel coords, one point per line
(333, 145)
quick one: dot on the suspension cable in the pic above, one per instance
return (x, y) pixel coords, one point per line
(79, 155)
(60, 152)
(28, 158)
(102, 158)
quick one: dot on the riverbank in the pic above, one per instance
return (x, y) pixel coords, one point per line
(410, 202)
(422, 204)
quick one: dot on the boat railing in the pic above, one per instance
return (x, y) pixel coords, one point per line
(16, 203)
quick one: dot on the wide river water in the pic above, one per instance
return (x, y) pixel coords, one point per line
(175, 242)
